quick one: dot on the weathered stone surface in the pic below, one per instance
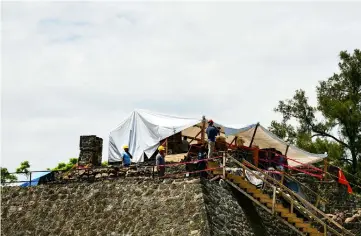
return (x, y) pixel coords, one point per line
(130, 206)
(225, 215)
(91, 148)
(139, 206)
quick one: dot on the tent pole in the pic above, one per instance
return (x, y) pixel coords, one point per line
(203, 129)
(287, 149)
(254, 134)
(166, 146)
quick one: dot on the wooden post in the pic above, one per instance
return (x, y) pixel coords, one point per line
(254, 134)
(166, 146)
(287, 150)
(256, 156)
(30, 178)
(282, 177)
(325, 229)
(224, 166)
(274, 199)
(203, 129)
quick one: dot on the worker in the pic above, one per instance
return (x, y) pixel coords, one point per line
(126, 156)
(160, 161)
(212, 132)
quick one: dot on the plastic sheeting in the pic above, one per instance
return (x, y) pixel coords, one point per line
(265, 139)
(142, 131)
(35, 177)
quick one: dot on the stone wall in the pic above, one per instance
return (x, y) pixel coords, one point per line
(119, 207)
(232, 213)
(135, 206)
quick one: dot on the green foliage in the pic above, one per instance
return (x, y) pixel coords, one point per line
(339, 104)
(66, 166)
(24, 168)
(105, 164)
(6, 176)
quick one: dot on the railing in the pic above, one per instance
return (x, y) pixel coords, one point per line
(301, 203)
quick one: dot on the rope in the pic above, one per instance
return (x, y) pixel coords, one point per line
(190, 162)
(191, 172)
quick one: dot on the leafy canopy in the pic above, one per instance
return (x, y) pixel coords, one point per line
(338, 130)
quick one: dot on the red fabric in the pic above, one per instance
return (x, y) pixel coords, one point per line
(342, 180)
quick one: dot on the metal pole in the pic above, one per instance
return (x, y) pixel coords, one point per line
(274, 199)
(30, 178)
(254, 134)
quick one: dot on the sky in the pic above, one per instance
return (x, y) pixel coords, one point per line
(71, 69)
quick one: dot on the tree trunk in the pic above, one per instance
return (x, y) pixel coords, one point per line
(354, 161)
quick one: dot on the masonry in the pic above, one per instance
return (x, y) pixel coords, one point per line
(133, 206)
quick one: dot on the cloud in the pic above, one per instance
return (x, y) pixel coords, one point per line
(80, 68)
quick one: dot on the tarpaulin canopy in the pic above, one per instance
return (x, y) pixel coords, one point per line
(35, 177)
(263, 138)
(142, 131)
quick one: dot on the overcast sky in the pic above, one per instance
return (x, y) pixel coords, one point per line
(71, 69)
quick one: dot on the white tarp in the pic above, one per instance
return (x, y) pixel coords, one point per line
(142, 131)
(265, 139)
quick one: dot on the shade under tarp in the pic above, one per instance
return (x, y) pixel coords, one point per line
(142, 131)
(265, 139)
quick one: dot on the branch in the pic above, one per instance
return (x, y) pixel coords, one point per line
(347, 160)
(324, 134)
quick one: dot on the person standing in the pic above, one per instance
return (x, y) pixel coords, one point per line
(160, 161)
(126, 156)
(212, 132)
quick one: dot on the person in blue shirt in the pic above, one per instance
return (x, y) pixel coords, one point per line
(160, 161)
(212, 132)
(127, 157)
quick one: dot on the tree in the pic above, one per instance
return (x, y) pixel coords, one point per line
(24, 168)
(105, 164)
(66, 166)
(339, 105)
(6, 176)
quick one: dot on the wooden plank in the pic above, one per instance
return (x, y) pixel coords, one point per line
(287, 214)
(264, 200)
(295, 220)
(303, 225)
